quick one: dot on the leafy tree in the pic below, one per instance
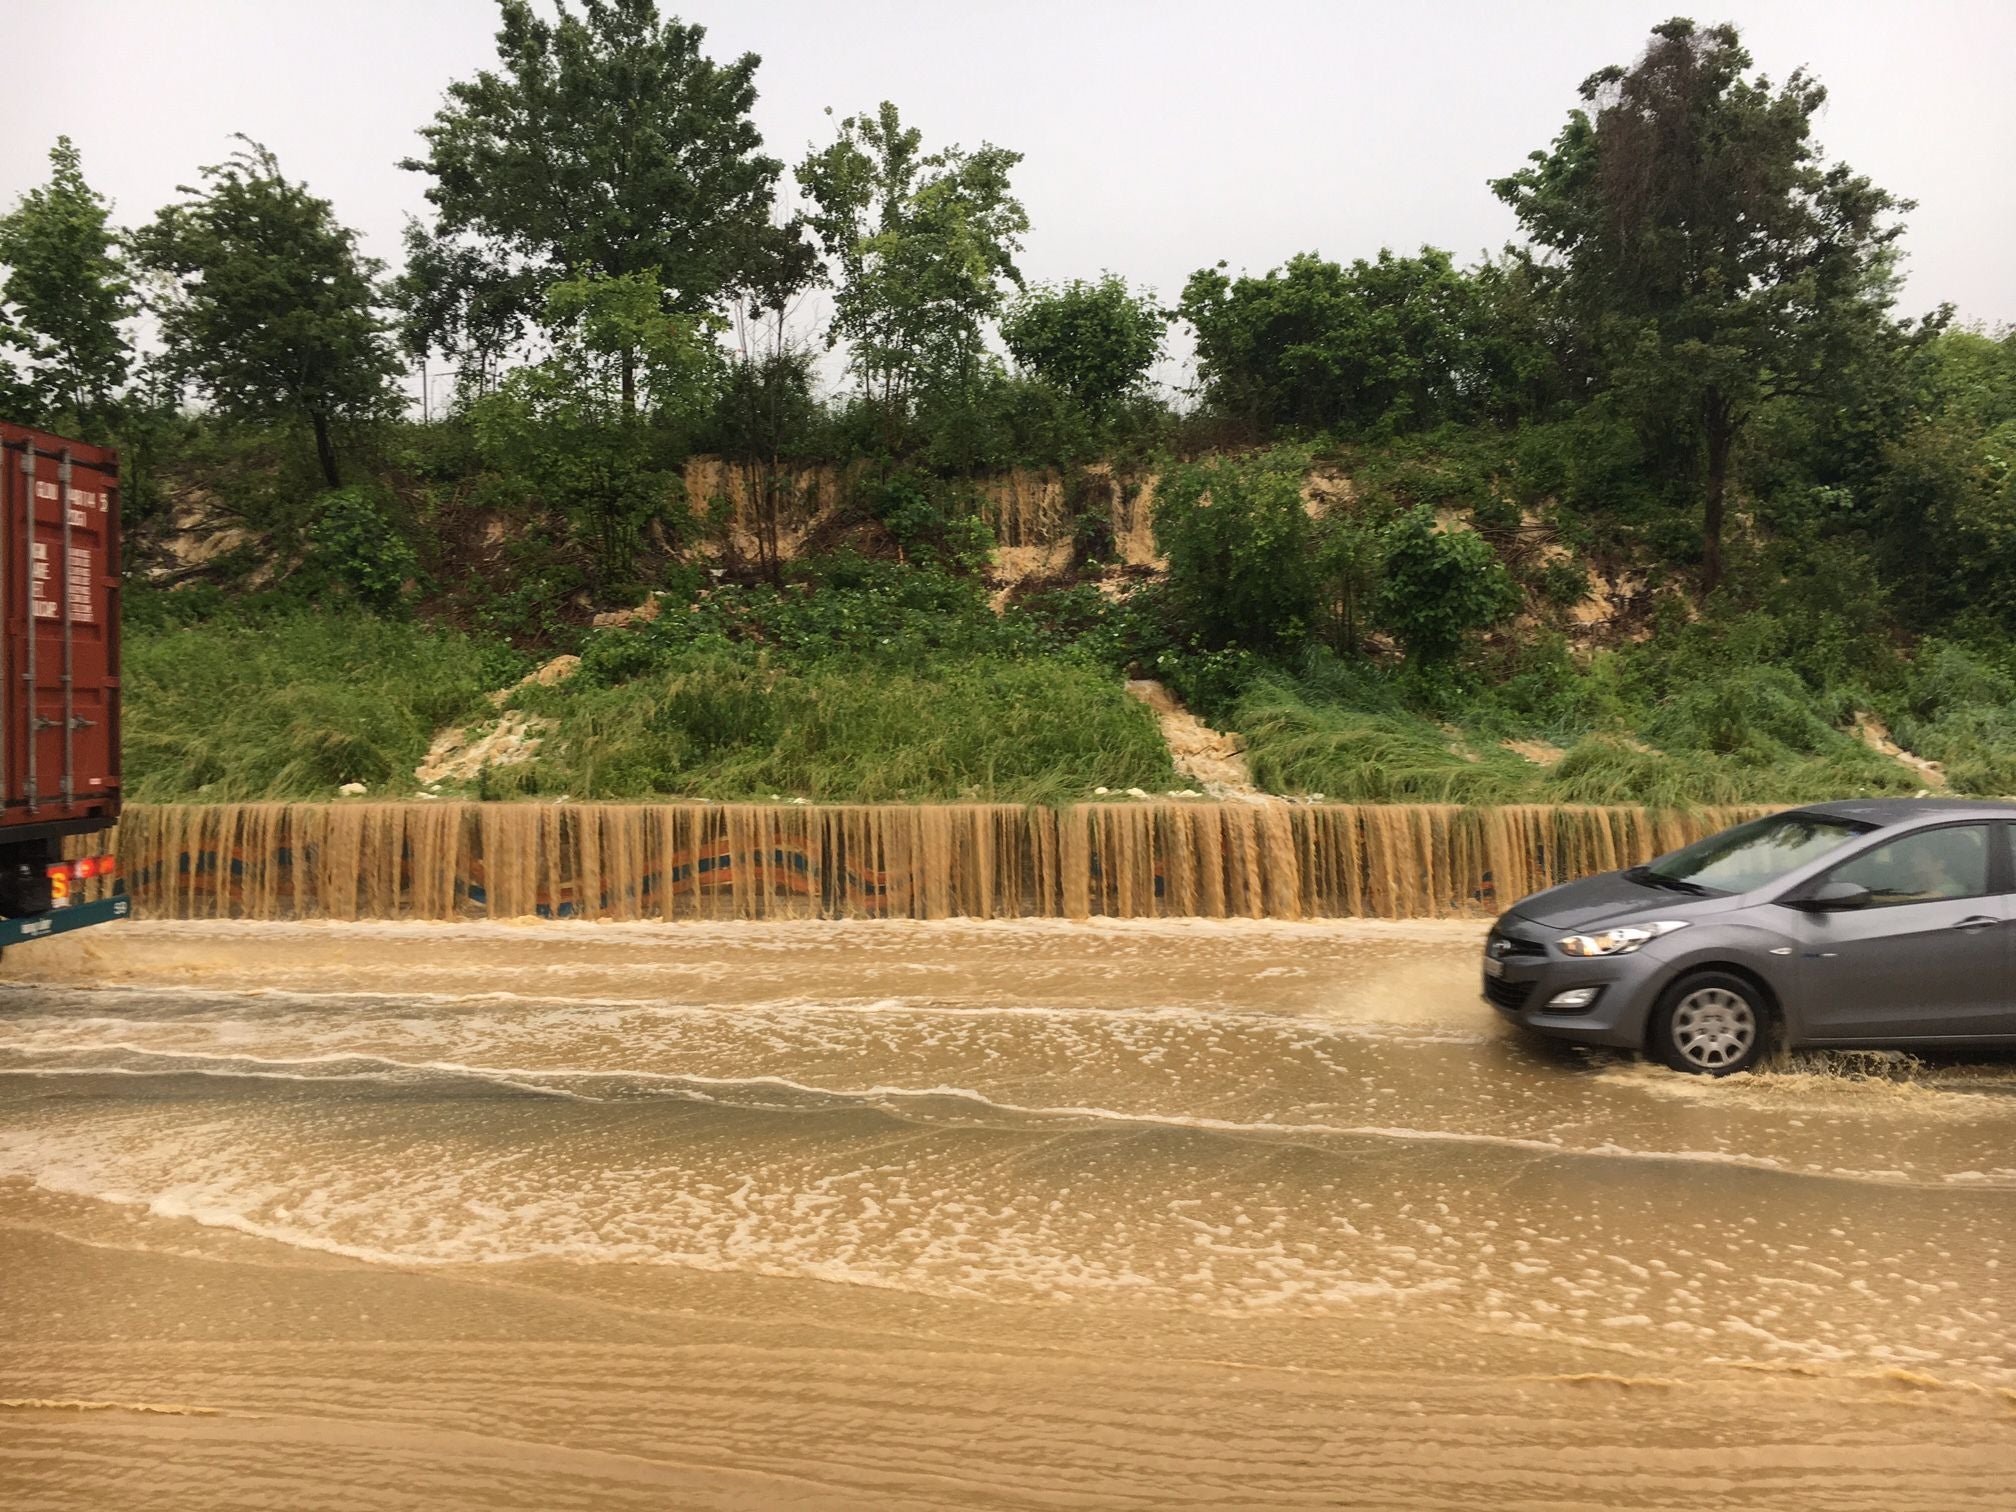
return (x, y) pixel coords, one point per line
(1944, 503)
(1440, 586)
(766, 420)
(1313, 345)
(269, 312)
(17, 394)
(768, 411)
(462, 300)
(569, 431)
(1093, 341)
(605, 145)
(1705, 256)
(1972, 378)
(1514, 369)
(1239, 540)
(922, 245)
(615, 333)
(66, 281)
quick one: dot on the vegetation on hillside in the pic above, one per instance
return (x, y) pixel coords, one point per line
(1689, 392)
(290, 704)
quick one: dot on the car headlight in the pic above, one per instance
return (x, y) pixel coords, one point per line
(1622, 940)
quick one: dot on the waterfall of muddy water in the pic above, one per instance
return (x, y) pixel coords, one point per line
(1024, 507)
(834, 1214)
(696, 861)
(804, 495)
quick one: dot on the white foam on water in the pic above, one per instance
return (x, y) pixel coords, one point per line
(540, 1080)
(792, 934)
(967, 1248)
(270, 1071)
(1857, 1083)
(1209, 1014)
(972, 1210)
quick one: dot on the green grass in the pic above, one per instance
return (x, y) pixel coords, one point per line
(878, 683)
(1959, 708)
(737, 725)
(901, 688)
(1299, 745)
(1607, 769)
(293, 705)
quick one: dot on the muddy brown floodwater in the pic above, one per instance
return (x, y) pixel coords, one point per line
(888, 1215)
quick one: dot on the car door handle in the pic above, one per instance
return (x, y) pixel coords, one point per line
(1979, 921)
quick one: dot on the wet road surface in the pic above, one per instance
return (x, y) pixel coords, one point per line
(929, 1215)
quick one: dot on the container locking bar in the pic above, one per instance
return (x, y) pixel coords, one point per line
(28, 612)
(3, 631)
(69, 647)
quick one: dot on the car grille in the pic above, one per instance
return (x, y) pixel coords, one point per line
(1503, 943)
(1511, 996)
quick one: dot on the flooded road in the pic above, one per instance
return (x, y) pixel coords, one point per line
(1156, 1215)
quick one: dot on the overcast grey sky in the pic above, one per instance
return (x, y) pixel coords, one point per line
(1158, 137)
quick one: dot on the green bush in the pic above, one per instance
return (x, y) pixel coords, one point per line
(561, 447)
(1562, 582)
(1441, 586)
(1608, 769)
(1211, 683)
(931, 520)
(1759, 714)
(1957, 707)
(356, 543)
(843, 605)
(1242, 568)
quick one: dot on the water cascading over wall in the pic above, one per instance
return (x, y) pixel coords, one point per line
(750, 861)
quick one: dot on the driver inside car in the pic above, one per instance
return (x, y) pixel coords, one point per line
(1928, 873)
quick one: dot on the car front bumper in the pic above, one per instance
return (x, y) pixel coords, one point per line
(1525, 988)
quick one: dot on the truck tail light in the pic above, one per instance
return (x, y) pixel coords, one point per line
(63, 875)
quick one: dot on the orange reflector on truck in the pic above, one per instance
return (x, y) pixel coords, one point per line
(62, 873)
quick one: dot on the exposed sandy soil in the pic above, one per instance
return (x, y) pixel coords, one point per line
(1876, 735)
(1213, 760)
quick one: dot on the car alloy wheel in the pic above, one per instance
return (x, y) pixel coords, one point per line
(1712, 1025)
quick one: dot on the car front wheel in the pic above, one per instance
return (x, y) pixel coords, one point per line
(1710, 1024)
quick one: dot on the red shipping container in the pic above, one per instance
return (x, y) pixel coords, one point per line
(59, 635)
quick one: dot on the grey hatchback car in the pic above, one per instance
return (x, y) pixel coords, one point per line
(1881, 922)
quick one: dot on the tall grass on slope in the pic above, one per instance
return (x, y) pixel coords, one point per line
(1957, 707)
(1296, 746)
(732, 724)
(1747, 739)
(291, 707)
(1607, 769)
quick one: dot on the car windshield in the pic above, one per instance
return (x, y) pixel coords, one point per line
(1750, 855)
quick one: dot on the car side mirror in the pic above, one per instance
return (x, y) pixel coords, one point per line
(1837, 897)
